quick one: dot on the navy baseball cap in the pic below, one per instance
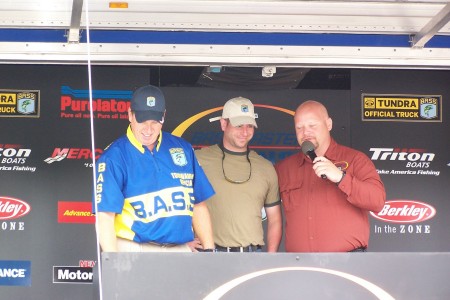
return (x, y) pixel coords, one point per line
(148, 103)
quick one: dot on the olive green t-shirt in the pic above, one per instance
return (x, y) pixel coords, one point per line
(236, 208)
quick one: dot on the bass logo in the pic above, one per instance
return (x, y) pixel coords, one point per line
(27, 104)
(178, 156)
(428, 110)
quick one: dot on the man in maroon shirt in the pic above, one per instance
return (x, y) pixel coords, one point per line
(327, 200)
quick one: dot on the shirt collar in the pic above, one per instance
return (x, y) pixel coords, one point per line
(331, 153)
(138, 145)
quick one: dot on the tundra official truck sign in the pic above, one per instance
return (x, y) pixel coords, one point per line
(404, 108)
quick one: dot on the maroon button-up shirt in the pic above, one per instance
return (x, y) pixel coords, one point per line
(322, 216)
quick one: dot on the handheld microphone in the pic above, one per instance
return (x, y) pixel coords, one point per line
(308, 149)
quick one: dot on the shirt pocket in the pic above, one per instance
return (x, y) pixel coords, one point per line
(290, 195)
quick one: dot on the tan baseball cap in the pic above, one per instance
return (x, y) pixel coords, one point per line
(239, 111)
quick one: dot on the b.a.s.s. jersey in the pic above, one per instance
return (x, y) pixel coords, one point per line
(152, 194)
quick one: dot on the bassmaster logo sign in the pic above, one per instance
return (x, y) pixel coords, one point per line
(405, 211)
(406, 108)
(106, 104)
(268, 142)
(73, 153)
(14, 103)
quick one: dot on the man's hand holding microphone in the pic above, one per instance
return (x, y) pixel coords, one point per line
(322, 166)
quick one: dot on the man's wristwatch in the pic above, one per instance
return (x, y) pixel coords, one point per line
(343, 175)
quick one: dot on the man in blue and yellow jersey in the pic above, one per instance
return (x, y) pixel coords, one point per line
(150, 189)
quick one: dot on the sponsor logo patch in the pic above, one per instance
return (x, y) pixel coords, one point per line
(341, 165)
(151, 101)
(178, 156)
